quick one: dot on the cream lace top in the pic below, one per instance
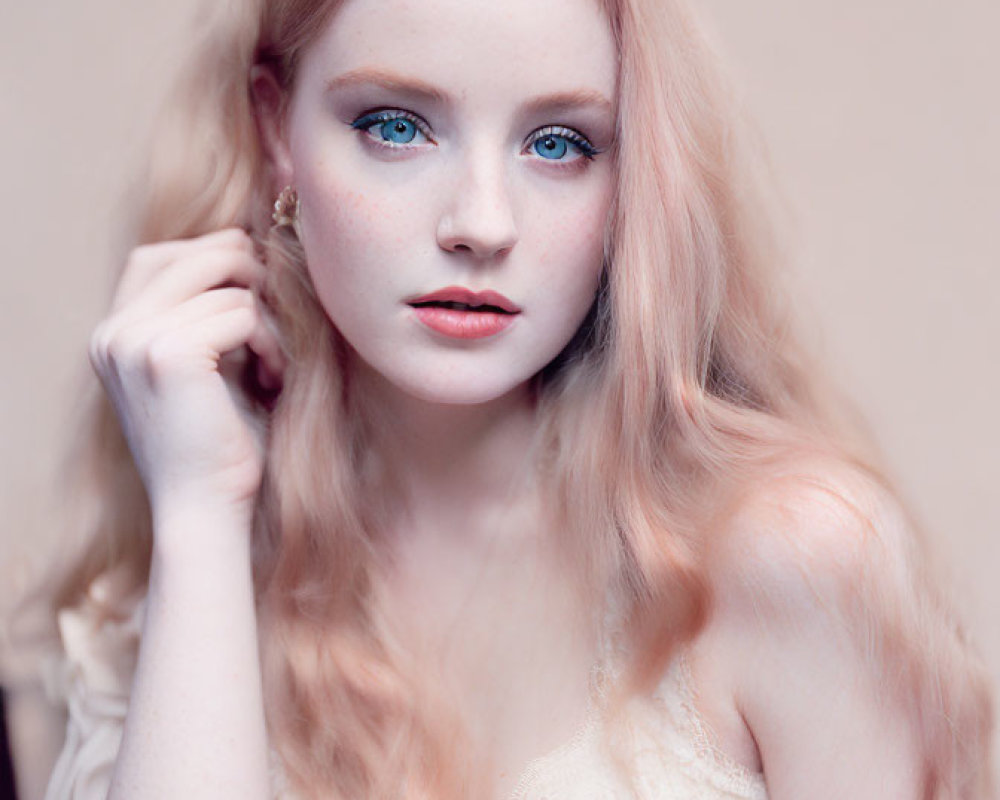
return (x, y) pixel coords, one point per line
(671, 750)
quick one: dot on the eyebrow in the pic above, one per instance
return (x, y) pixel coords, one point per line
(564, 101)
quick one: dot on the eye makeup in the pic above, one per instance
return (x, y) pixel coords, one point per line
(583, 145)
(381, 117)
(557, 140)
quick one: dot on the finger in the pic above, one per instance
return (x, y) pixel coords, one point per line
(261, 336)
(147, 265)
(148, 260)
(231, 333)
(193, 275)
(210, 303)
(124, 340)
(198, 346)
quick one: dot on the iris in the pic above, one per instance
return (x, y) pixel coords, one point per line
(396, 127)
(398, 130)
(552, 147)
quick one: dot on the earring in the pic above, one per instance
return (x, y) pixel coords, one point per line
(286, 208)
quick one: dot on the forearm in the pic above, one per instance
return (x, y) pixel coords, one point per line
(195, 725)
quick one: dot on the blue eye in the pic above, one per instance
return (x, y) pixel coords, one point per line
(392, 128)
(397, 128)
(551, 147)
(553, 142)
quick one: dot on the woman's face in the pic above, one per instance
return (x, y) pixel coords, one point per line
(455, 145)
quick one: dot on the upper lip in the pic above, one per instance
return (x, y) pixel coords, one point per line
(459, 294)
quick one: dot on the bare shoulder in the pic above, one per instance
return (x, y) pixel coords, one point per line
(808, 575)
(807, 541)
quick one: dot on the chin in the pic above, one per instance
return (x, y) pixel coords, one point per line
(474, 391)
(437, 382)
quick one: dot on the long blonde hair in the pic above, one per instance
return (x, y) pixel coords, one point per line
(685, 387)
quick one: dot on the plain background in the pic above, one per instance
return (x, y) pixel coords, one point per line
(882, 120)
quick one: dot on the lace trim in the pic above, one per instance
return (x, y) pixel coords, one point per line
(676, 700)
(733, 775)
(601, 674)
(538, 767)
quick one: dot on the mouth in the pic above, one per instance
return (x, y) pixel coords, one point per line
(460, 313)
(458, 298)
(459, 306)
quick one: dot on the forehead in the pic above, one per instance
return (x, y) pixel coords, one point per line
(472, 46)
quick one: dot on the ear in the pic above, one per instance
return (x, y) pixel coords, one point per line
(270, 104)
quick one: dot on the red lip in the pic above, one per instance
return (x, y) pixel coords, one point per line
(459, 294)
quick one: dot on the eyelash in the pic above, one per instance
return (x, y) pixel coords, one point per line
(372, 118)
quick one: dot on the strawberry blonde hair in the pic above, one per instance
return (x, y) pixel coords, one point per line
(684, 390)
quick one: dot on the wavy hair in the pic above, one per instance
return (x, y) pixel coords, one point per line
(684, 390)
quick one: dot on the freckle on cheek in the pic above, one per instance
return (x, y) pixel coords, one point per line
(360, 214)
(350, 205)
(350, 200)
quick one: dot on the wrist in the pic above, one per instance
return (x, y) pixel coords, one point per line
(195, 530)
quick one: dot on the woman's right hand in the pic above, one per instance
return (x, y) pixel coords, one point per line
(182, 312)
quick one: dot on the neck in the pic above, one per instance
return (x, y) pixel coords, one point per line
(445, 468)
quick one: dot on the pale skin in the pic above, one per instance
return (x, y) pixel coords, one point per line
(469, 201)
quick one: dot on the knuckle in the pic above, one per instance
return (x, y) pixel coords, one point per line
(233, 298)
(140, 257)
(241, 237)
(102, 344)
(96, 352)
(232, 238)
(97, 344)
(164, 355)
(246, 316)
(118, 348)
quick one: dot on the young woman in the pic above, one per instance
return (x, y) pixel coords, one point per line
(459, 446)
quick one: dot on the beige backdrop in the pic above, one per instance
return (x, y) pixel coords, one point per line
(883, 122)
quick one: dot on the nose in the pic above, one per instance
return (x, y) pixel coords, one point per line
(478, 217)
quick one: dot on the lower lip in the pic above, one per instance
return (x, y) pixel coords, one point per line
(463, 324)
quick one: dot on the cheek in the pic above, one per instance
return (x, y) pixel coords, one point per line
(349, 234)
(570, 239)
(336, 212)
